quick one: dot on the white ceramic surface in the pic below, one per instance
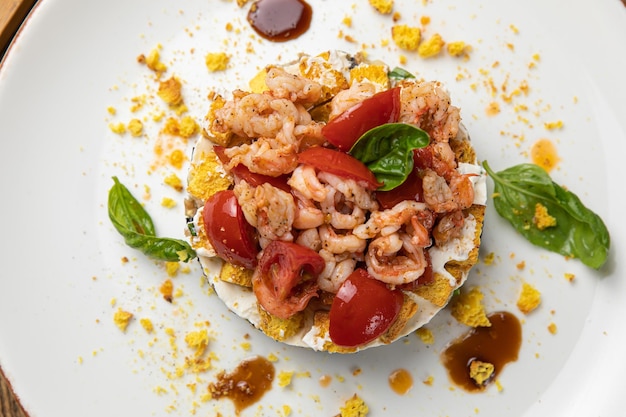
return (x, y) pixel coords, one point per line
(62, 274)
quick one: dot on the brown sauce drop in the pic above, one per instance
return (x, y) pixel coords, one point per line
(497, 345)
(246, 384)
(400, 381)
(280, 20)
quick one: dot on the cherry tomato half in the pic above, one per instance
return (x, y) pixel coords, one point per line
(363, 309)
(340, 164)
(344, 130)
(411, 189)
(286, 278)
(232, 237)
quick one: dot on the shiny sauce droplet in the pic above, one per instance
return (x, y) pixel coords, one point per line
(325, 380)
(543, 153)
(246, 384)
(400, 381)
(496, 345)
(280, 20)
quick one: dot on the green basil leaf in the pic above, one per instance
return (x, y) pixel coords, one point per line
(134, 223)
(578, 231)
(399, 74)
(387, 150)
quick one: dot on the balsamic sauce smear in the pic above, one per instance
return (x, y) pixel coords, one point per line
(280, 20)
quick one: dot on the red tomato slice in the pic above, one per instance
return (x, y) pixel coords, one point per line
(286, 278)
(363, 309)
(241, 172)
(340, 164)
(344, 130)
(232, 237)
(411, 189)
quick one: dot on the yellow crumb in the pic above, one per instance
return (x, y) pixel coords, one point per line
(425, 335)
(382, 6)
(521, 265)
(425, 20)
(286, 410)
(468, 309)
(272, 357)
(493, 108)
(429, 380)
(569, 276)
(489, 258)
(135, 127)
(431, 47)
(153, 61)
(174, 181)
(168, 202)
(118, 128)
(354, 407)
(542, 219)
(121, 319)
(347, 21)
(172, 268)
(406, 37)
(552, 328)
(529, 298)
(176, 158)
(147, 325)
(216, 61)
(167, 290)
(553, 125)
(111, 110)
(198, 340)
(170, 91)
(481, 372)
(284, 378)
(458, 48)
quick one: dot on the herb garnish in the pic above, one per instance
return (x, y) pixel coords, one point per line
(387, 150)
(134, 223)
(574, 230)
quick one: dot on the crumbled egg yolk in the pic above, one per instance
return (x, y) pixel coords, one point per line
(406, 37)
(170, 91)
(468, 309)
(542, 219)
(354, 407)
(529, 298)
(121, 318)
(480, 371)
(425, 335)
(382, 6)
(431, 47)
(135, 127)
(216, 61)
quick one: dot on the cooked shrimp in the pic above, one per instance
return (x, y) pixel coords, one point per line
(304, 180)
(308, 216)
(394, 260)
(350, 97)
(292, 87)
(269, 209)
(442, 197)
(389, 221)
(427, 105)
(254, 115)
(340, 243)
(351, 190)
(338, 268)
(342, 213)
(310, 238)
(449, 227)
(264, 156)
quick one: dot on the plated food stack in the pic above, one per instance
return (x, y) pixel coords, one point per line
(340, 202)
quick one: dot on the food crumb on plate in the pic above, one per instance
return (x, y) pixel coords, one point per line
(467, 308)
(354, 407)
(552, 328)
(406, 37)
(122, 318)
(481, 372)
(216, 61)
(382, 6)
(529, 298)
(431, 47)
(542, 219)
(425, 335)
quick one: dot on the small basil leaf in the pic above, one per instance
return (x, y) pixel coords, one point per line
(399, 74)
(134, 223)
(387, 150)
(578, 232)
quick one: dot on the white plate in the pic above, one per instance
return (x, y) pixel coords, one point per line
(61, 258)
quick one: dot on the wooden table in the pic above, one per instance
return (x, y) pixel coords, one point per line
(12, 13)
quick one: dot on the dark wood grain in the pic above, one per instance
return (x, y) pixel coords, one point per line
(12, 13)
(9, 406)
